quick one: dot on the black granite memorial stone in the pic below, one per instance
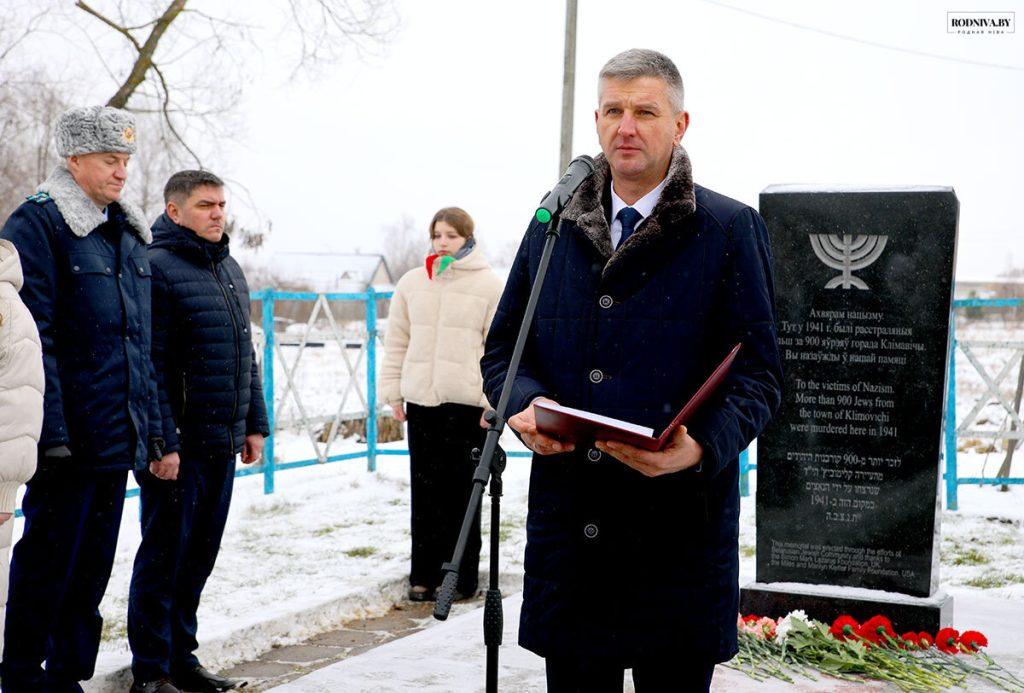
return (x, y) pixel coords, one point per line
(848, 470)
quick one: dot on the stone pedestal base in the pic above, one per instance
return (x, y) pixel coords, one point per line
(824, 603)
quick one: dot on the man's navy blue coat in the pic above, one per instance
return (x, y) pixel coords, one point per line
(91, 302)
(620, 566)
(206, 370)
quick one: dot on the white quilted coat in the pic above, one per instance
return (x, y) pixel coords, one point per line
(435, 334)
(21, 398)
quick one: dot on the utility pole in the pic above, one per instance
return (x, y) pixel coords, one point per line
(568, 85)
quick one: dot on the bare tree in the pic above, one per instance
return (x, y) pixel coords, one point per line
(180, 65)
(405, 246)
(29, 105)
(502, 255)
(169, 38)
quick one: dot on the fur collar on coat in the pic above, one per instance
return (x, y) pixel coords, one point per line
(80, 213)
(586, 209)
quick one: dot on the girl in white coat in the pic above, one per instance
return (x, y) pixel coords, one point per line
(21, 401)
(430, 376)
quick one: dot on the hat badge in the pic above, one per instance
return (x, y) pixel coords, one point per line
(128, 135)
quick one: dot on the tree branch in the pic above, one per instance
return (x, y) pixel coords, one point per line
(146, 51)
(30, 28)
(124, 31)
(167, 116)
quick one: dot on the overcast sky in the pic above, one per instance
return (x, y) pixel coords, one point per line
(463, 107)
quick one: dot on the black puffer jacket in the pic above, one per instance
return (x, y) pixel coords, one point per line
(209, 385)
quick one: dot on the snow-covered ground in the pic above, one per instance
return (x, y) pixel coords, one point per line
(332, 542)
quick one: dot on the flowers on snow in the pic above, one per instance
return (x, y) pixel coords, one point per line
(877, 630)
(844, 627)
(948, 640)
(796, 644)
(787, 623)
(971, 640)
(759, 626)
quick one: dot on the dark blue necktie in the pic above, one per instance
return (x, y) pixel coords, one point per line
(629, 218)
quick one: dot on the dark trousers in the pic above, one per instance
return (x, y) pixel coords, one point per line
(678, 675)
(440, 441)
(182, 525)
(59, 572)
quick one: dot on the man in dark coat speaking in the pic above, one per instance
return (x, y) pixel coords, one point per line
(212, 409)
(87, 284)
(632, 556)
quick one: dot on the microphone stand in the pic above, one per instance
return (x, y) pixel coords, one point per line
(491, 463)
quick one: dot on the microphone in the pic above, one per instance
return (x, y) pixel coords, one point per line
(579, 169)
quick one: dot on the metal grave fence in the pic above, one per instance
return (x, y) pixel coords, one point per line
(972, 426)
(355, 345)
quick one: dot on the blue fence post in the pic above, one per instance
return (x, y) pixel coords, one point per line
(268, 388)
(951, 480)
(371, 379)
(745, 473)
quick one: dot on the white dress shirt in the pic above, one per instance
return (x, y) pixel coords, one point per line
(645, 205)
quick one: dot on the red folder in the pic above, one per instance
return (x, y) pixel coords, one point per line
(578, 426)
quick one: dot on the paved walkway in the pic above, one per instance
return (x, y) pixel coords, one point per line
(283, 664)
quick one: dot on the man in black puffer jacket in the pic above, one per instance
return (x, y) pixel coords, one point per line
(212, 407)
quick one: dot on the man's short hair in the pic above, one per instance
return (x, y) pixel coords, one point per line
(643, 62)
(181, 184)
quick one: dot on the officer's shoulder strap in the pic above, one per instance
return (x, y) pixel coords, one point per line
(39, 198)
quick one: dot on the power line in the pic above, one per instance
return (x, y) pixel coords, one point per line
(866, 42)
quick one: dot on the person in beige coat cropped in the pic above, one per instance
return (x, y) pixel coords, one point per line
(21, 401)
(430, 376)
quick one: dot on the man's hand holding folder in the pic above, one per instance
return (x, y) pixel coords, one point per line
(548, 429)
(681, 452)
(525, 424)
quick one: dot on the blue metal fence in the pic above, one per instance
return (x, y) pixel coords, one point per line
(952, 430)
(369, 298)
(270, 466)
(268, 297)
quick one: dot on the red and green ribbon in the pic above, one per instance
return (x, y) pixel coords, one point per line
(446, 260)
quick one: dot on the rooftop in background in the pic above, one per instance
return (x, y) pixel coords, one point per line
(997, 287)
(334, 272)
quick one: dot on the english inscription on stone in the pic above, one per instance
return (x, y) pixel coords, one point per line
(848, 470)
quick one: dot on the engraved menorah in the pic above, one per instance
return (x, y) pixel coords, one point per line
(847, 253)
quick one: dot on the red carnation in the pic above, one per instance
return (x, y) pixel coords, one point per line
(875, 630)
(751, 618)
(972, 640)
(948, 640)
(910, 639)
(925, 640)
(844, 627)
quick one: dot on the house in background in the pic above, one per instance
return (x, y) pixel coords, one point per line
(989, 287)
(342, 273)
(333, 272)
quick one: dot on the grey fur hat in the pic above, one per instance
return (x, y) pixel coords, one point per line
(95, 129)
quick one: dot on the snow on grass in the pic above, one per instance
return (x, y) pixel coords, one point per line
(326, 530)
